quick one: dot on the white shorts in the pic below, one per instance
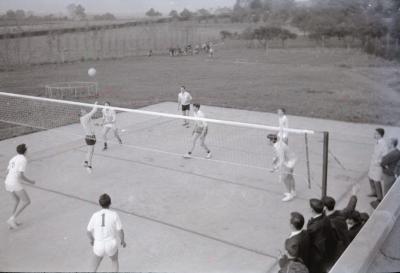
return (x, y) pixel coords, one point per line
(12, 187)
(102, 248)
(110, 125)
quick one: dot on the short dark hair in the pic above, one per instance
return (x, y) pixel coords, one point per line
(196, 105)
(355, 216)
(105, 201)
(273, 138)
(329, 202)
(283, 110)
(317, 205)
(21, 149)
(107, 102)
(380, 131)
(297, 220)
(184, 87)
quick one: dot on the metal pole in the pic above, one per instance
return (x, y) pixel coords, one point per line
(325, 164)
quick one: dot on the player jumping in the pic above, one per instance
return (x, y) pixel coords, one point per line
(87, 124)
(284, 162)
(16, 174)
(108, 123)
(200, 131)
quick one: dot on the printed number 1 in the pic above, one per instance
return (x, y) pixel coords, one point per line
(103, 220)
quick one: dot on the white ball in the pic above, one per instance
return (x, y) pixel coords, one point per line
(92, 72)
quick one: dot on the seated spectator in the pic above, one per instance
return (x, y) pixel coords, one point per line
(338, 219)
(388, 164)
(298, 243)
(364, 218)
(354, 224)
(322, 239)
(291, 265)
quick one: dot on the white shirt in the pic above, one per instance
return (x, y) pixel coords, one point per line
(286, 158)
(109, 115)
(104, 225)
(283, 124)
(16, 165)
(86, 122)
(184, 98)
(200, 123)
(375, 169)
(294, 233)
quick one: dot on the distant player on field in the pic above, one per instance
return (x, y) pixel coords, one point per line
(87, 124)
(284, 162)
(15, 176)
(184, 100)
(108, 123)
(200, 131)
(283, 124)
(103, 230)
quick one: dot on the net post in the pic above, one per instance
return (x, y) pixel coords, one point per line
(307, 161)
(325, 164)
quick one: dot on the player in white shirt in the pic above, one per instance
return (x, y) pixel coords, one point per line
(199, 132)
(103, 230)
(284, 162)
(15, 175)
(90, 138)
(184, 100)
(108, 123)
(283, 124)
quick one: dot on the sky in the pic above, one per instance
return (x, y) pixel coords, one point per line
(124, 7)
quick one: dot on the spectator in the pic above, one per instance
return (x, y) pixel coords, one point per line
(322, 239)
(354, 224)
(338, 220)
(375, 169)
(291, 265)
(389, 163)
(298, 243)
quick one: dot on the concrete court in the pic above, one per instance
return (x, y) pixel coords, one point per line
(179, 215)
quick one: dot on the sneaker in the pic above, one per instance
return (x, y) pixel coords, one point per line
(208, 156)
(293, 193)
(85, 164)
(286, 194)
(188, 155)
(105, 147)
(89, 169)
(374, 204)
(372, 195)
(287, 198)
(11, 223)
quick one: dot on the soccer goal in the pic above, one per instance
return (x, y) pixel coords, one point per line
(65, 90)
(240, 150)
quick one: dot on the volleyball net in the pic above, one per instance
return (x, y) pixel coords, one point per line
(238, 148)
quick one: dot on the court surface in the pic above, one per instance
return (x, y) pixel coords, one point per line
(179, 215)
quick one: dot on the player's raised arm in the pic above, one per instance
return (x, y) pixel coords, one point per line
(94, 110)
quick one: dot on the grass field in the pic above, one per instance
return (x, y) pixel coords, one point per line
(338, 84)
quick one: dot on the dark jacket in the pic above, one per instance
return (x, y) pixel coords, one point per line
(298, 246)
(323, 244)
(389, 162)
(354, 230)
(291, 266)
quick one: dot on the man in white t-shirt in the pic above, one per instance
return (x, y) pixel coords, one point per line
(184, 100)
(283, 125)
(109, 123)
(103, 230)
(200, 131)
(284, 162)
(15, 175)
(90, 138)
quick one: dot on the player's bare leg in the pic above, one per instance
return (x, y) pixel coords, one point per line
(89, 158)
(22, 203)
(105, 133)
(115, 262)
(95, 263)
(189, 154)
(202, 144)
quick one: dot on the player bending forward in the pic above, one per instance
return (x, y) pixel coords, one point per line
(109, 119)
(284, 162)
(16, 174)
(103, 230)
(87, 124)
(200, 131)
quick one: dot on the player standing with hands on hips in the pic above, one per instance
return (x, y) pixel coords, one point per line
(16, 174)
(103, 230)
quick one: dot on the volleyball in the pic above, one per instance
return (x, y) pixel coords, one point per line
(92, 72)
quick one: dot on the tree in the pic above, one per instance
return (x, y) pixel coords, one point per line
(106, 17)
(186, 15)
(225, 34)
(20, 15)
(174, 14)
(152, 13)
(286, 34)
(76, 12)
(256, 5)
